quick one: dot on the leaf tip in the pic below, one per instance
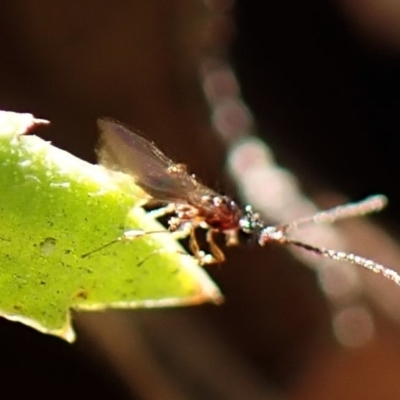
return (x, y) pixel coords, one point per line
(14, 124)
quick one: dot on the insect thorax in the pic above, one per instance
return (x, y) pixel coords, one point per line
(220, 213)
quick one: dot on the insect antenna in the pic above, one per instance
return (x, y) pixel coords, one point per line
(369, 205)
(350, 258)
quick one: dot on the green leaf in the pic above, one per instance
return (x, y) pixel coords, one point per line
(54, 208)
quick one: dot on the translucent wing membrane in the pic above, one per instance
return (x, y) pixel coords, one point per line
(123, 150)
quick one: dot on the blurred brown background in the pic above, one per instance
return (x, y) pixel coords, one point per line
(323, 80)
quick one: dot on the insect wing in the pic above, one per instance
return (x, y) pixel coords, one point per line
(123, 150)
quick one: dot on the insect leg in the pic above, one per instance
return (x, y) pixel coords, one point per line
(136, 233)
(194, 247)
(219, 256)
(160, 251)
(160, 212)
(183, 232)
(127, 236)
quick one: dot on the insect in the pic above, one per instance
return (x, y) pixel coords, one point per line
(194, 205)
